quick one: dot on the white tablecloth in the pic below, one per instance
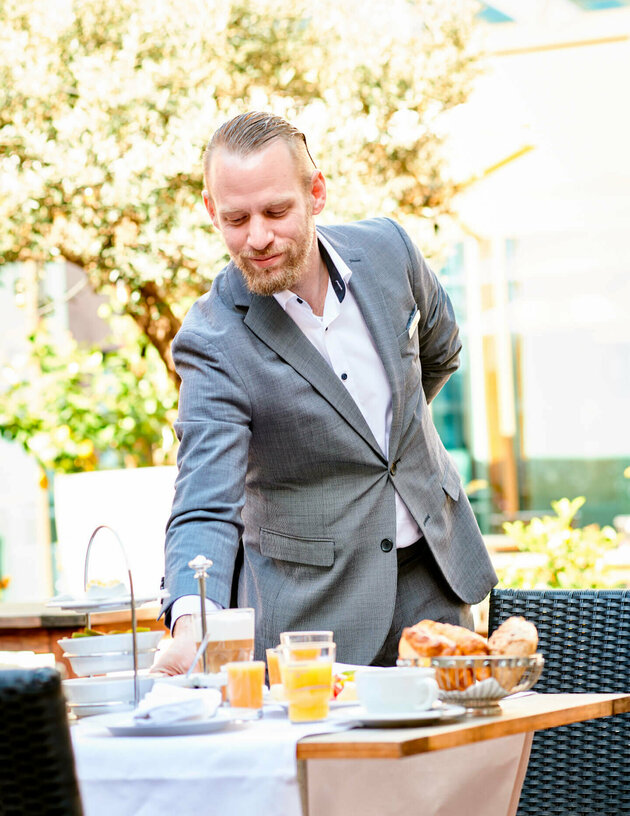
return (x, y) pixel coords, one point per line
(251, 769)
(246, 769)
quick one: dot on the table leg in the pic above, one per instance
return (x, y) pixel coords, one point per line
(302, 778)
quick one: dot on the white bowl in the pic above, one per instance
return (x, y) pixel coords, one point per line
(97, 690)
(86, 665)
(95, 709)
(100, 644)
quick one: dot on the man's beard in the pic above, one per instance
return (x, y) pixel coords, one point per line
(269, 281)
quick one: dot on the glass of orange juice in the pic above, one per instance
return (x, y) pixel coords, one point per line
(305, 645)
(245, 681)
(304, 638)
(273, 666)
(307, 680)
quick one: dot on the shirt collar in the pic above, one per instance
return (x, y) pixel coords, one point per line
(338, 272)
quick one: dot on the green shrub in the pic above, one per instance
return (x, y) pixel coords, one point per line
(567, 557)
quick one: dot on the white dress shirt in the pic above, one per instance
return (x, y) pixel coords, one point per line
(344, 341)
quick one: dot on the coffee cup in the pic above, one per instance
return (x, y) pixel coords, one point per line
(396, 690)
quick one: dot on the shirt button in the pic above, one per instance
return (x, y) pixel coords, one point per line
(299, 300)
(344, 376)
(387, 545)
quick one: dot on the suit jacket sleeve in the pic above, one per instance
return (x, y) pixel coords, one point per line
(438, 335)
(213, 430)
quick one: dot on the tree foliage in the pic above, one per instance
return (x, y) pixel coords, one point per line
(105, 109)
(88, 408)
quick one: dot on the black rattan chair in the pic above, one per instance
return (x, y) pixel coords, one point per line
(584, 635)
(37, 773)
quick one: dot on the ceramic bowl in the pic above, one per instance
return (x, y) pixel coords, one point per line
(100, 644)
(102, 654)
(98, 695)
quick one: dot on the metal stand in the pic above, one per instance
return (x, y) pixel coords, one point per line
(134, 627)
(200, 564)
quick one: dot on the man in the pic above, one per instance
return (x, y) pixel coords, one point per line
(304, 426)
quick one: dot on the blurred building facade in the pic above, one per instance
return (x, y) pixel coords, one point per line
(541, 283)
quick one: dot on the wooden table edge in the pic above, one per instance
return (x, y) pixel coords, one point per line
(399, 743)
(42, 617)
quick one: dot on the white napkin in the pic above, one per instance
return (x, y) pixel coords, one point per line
(166, 703)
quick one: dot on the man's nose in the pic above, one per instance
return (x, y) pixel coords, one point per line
(260, 235)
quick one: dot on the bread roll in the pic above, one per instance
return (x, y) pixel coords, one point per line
(515, 637)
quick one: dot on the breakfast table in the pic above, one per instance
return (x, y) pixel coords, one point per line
(474, 765)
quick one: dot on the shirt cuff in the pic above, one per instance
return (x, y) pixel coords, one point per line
(189, 605)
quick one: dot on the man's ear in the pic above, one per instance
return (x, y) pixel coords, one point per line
(209, 205)
(318, 191)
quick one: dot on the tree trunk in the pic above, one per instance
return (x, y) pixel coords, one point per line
(156, 320)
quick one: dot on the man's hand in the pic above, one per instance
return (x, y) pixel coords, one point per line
(178, 656)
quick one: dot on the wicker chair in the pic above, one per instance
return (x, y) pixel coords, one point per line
(37, 774)
(584, 636)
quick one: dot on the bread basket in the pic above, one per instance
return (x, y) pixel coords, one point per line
(478, 682)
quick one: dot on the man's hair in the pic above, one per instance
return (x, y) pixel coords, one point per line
(250, 132)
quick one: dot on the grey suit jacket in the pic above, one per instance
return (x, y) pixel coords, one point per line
(275, 452)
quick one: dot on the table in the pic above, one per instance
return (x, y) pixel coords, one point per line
(37, 628)
(465, 748)
(473, 766)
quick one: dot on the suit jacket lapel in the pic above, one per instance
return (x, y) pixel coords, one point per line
(270, 323)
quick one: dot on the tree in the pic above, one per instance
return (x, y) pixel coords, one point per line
(105, 109)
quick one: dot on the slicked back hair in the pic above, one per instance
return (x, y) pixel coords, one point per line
(250, 132)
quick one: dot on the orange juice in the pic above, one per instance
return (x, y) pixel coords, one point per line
(307, 687)
(245, 683)
(273, 667)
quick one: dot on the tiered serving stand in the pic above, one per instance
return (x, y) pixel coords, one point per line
(91, 606)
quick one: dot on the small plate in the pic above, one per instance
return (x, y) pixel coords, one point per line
(85, 604)
(124, 725)
(441, 713)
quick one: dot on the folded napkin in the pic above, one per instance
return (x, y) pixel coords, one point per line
(166, 703)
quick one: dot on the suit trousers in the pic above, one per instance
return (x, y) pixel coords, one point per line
(422, 594)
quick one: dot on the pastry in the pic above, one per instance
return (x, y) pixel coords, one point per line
(515, 637)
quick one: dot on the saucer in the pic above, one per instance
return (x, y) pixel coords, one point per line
(440, 713)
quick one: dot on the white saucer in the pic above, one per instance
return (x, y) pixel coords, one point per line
(334, 704)
(440, 713)
(103, 604)
(124, 725)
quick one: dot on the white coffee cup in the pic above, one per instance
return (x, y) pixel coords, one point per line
(397, 689)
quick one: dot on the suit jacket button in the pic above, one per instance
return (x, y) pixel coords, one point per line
(387, 545)
(392, 468)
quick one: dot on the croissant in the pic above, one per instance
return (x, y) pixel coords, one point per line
(432, 639)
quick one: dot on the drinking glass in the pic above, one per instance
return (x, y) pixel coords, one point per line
(307, 679)
(245, 681)
(305, 644)
(273, 666)
(230, 635)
